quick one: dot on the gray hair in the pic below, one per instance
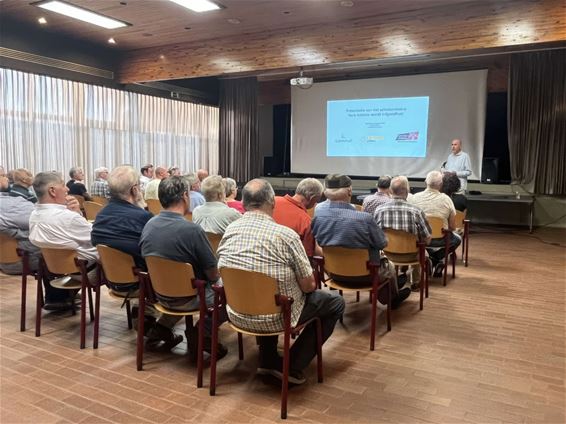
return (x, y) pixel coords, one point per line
(434, 180)
(230, 184)
(99, 171)
(309, 188)
(171, 191)
(121, 180)
(44, 180)
(257, 193)
(337, 193)
(399, 186)
(191, 179)
(384, 181)
(212, 188)
(73, 171)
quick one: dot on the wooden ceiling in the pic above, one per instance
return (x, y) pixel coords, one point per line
(166, 41)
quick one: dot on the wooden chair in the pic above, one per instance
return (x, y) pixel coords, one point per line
(310, 211)
(189, 216)
(80, 199)
(101, 200)
(174, 279)
(463, 227)
(10, 253)
(154, 206)
(61, 263)
(253, 293)
(353, 263)
(91, 209)
(214, 240)
(406, 244)
(436, 225)
(116, 268)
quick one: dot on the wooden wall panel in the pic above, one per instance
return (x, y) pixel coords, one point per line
(478, 26)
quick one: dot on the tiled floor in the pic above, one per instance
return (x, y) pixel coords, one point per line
(487, 348)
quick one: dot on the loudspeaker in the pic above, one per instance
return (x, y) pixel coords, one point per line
(490, 171)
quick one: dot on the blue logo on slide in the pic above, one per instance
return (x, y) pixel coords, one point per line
(410, 136)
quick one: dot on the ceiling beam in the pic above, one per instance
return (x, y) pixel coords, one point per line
(417, 34)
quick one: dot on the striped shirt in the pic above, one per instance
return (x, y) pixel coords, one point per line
(400, 215)
(255, 242)
(372, 202)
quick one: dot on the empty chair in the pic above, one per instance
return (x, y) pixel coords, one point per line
(403, 250)
(91, 209)
(70, 274)
(253, 293)
(345, 262)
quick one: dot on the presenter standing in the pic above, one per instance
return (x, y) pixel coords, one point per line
(459, 163)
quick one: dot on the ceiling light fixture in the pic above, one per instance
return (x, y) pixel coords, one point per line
(81, 14)
(234, 21)
(42, 20)
(346, 3)
(197, 5)
(111, 40)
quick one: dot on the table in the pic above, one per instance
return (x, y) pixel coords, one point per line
(505, 199)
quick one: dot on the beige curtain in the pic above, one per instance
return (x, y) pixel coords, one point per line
(53, 124)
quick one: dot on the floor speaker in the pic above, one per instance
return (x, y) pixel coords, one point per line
(490, 171)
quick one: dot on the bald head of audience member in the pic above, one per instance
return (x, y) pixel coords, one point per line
(258, 196)
(123, 183)
(213, 189)
(433, 180)
(161, 172)
(308, 192)
(338, 188)
(202, 174)
(399, 187)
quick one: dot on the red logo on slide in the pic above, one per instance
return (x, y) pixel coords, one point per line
(414, 135)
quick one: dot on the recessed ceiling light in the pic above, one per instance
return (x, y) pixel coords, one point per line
(81, 14)
(42, 20)
(346, 3)
(234, 21)
(286, 12)
(111, 40)
(161, 56)
(147, 34)
(188, 28)
(197, 5)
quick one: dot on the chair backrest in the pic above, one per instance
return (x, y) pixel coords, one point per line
(8, 252)
(80, 199)
(154, 206)
(400, 242)
(170, 278)
(214, 240)
(100, 200)
(189, 216)
(92, 209)
(346, 262)
(310, 211)
(436, 225)
(60, 261)
(359, 208)
(249, 292)
(460, 217)
(117, 265)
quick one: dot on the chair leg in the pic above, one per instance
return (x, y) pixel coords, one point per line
(214, 353)
(454, 264)
(373, 319)
(129, 314)
(38, 305)
(389, 300)
(319, 350)
(285, 382)
(23, 306)
(357, 296)
(83, 312)
(200, 353)
(426, 283)
(90, 306)
(96, 316)
(139, 338)
(240, 347)
(421, 290)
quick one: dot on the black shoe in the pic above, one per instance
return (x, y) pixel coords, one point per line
(192, 343)
(401, 296)
(276, 370)
(148, 321)
(438, 269)
(162, 338)
(401, 280)
(57, 306)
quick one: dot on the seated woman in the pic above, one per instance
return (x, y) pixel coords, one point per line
(451, 187)
(231, 193)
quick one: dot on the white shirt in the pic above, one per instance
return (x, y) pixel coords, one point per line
(143, 182)
(214, 217)
(460, 164)
(55, 226)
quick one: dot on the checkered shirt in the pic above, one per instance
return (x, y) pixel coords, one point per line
(372, 202)
(400, 215)
(256, 243)
(100, 188)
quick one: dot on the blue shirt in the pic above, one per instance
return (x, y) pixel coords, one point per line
(197, 199)
(119, 225)
(460, 164)
(339, 224)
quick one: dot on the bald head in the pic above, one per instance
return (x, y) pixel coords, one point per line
(456, 146)
(161, 172)
(258, 195)
(399, 187)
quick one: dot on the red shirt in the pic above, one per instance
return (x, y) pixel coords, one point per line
(236, 204)
(292, 214)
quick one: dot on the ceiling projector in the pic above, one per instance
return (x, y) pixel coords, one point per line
(301, 81)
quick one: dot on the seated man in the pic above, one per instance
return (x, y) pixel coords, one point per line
(100, 185)
(434, 203)
(202, 174)
(341, 225)
(169, 235)
(292, 212)
(57, 222)
(146, 176)
(152, 187)
(196, 198)
(381, 197)
(400, 215)
(215, 215)
(75, 184)
(256, 243)
(22, 182)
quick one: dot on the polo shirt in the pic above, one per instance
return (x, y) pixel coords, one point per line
(292, 214)
(434, 203)
(169, 235)
(197, 199)
(214, 217)
(119, 225)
